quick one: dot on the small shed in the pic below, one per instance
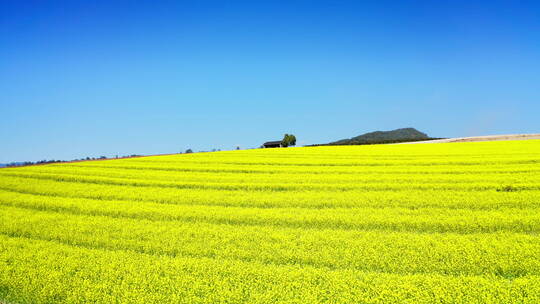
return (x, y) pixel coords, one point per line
(272, 144)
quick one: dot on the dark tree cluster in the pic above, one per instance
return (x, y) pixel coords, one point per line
(29, 163)
(288, 140)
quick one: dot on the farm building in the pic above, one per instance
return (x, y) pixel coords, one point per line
(273, 144)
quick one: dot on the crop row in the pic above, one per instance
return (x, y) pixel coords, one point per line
(30, 272)
(503, 254)
(503, 177)
(430, 220)
(283, 185)
(266, 199)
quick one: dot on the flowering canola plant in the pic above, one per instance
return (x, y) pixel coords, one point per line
(422, 223)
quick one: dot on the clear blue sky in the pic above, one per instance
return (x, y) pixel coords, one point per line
(91, 78)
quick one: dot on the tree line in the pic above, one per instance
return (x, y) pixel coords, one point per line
(52, 161)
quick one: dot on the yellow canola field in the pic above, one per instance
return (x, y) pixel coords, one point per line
(425, 223)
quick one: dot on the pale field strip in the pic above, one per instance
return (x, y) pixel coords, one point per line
(482, 138)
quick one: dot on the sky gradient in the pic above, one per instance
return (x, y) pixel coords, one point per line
(91, 78)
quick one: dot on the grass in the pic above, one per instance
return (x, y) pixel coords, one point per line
(445, 223)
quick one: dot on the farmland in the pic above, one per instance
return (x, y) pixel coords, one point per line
(445, 223)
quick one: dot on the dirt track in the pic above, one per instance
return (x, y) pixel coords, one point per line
(480, 138)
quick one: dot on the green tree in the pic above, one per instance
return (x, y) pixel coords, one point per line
(288, 140)
(292, 140)
(285, 140)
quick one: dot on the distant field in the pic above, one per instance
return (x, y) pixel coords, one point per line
(481, 138)
(445, 223)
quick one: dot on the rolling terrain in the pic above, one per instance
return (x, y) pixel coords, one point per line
(445, 223)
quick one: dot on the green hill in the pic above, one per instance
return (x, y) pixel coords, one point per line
(378, 137)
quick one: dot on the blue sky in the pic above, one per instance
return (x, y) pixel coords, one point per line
(91, 78)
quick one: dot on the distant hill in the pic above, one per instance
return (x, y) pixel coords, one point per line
(381, 137)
